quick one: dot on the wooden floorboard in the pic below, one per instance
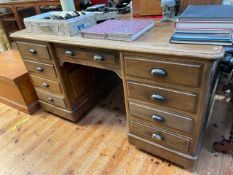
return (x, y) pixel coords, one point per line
(97, 144)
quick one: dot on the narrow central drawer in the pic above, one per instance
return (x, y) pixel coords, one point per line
(185, 101)
(185, 73)
(32, 50)
(48, 85)
(51, 99)
(161, 118)
(91, 55)
(41, 68)
(160, 136)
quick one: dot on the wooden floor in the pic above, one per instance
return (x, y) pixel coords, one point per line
(97, 144)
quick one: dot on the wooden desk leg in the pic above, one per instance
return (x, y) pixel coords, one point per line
(18, 21)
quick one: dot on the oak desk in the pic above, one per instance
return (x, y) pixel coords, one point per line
(168, 88)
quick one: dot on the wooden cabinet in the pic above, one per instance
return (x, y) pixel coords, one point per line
(165, 97)
(143, 7)
(67, 90)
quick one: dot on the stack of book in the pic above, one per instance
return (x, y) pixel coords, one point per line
(205, 24)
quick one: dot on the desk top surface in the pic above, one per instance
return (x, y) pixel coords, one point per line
(155, 41)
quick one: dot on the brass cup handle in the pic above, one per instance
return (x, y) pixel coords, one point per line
(50, 99)
(33, 51)
(157, 137)
(157, 97)
(98, 58)
(158, 72)
(157, 118)
(40, 69)
(69, 53)
(45, 85)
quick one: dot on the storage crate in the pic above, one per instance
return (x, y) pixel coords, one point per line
(145, 7)
(69, 27)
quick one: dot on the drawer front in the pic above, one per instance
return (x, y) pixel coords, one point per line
(185, 101)
(51, 99)
(48, 85)
(32, 50)
(96, 56)
(161, 118)
(187, 74)
(160, 136)
(41, 68)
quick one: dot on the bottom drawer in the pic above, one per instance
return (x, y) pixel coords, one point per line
(160, 136)
(51, 99)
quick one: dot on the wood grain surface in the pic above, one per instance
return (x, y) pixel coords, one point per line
(97, 144)
(155, 41)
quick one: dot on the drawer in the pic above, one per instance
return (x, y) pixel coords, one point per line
(160, 136)
(51, 99)
(92, 55)
(41, 68)
(161, 118)
(48, 85)
(182, 100)
(188, 74)
(31, 50)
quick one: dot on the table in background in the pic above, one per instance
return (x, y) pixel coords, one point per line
(14, 5)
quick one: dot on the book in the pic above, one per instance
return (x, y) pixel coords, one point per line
(202, 38)
(204, 31)
(201, 43)
(206, 17)
(123, 30)
(204, 25)
(207, 13)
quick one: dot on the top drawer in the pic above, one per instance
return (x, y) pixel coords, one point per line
(91, 55)
(188, 74)
(31, 50)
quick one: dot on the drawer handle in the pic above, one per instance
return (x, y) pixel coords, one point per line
(98, 58)
(33, 51)
(158, 72)
(158, 118)
(50, 99)
(40, 69)
(157, 97)
(69, 53)
(157, 137)
(45, 85)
